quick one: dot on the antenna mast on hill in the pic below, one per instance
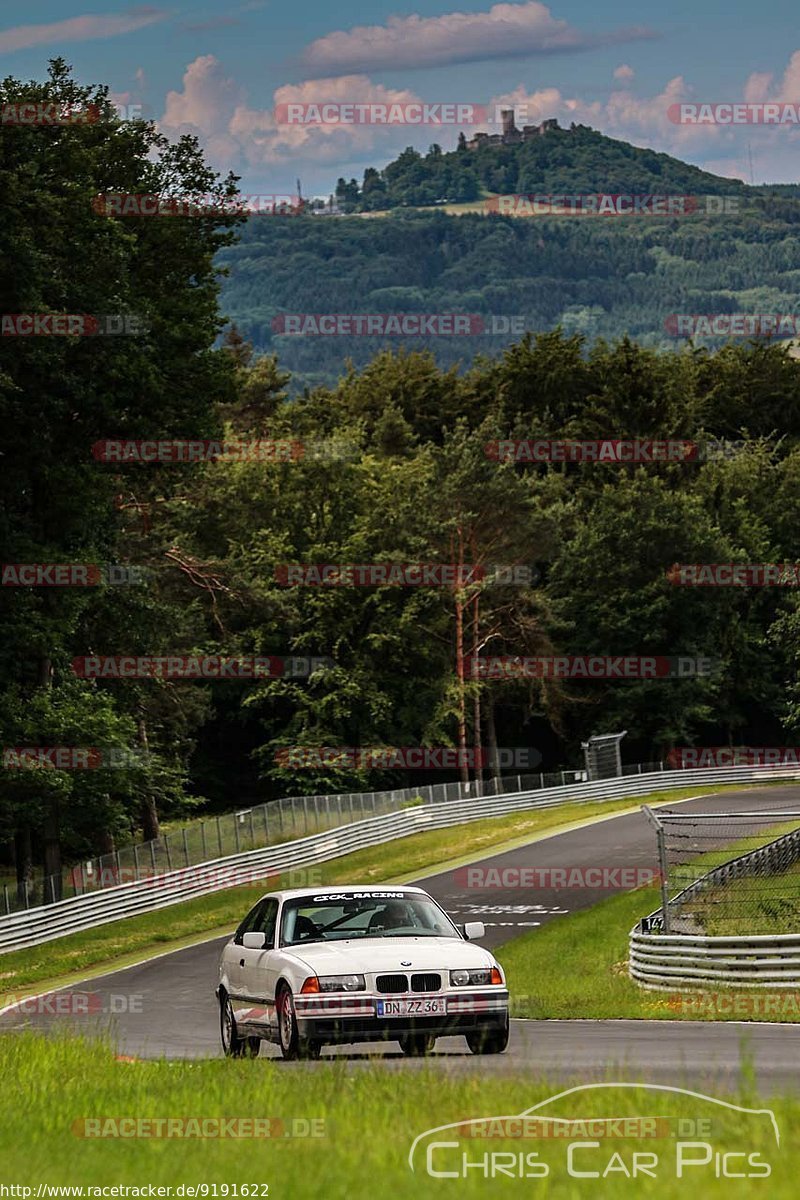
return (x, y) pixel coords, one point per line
(750, 156)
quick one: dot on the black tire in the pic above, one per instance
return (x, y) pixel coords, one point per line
(292, 1045)
(489, 1041)
(417, 1045)
(233, 1045)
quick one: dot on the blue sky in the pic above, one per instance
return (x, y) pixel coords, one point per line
(219, 70)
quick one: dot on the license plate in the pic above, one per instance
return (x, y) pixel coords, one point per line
(435, 1006)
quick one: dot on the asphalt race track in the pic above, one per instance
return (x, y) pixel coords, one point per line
(166, 1006)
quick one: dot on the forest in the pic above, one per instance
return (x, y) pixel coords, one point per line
(394, 461)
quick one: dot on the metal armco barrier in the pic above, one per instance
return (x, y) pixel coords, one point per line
(669, 962)
(663, 962)
(36, 925)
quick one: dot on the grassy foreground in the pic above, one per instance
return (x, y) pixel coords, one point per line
(408, 858)
(365, 1123)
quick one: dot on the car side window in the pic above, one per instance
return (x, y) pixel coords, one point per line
(268, 919)
(251, 921)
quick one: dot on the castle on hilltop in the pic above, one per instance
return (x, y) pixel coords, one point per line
(511, 136)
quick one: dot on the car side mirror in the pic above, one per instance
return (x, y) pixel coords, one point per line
(254, 941)
(473, 931)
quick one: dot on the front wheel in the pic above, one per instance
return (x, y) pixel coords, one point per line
(489, 1041)
(417, 1045)
(233, 1045)
(292, 1045)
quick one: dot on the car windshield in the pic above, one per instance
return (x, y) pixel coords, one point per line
(327, 919)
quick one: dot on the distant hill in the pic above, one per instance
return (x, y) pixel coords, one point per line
(578, 159)
(601, 277)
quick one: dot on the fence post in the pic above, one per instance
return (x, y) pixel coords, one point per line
(236, 831)
(5, 898)
(305, 814)
(662, 864)
(219, 837)
(136, 860)
(153, 856)
(280, 816)
(167, 849)
(185, 847)
(266, 826)
(119, 866)
(203, 838)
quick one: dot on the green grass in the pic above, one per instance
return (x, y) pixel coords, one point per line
(750, 905)
(755, 905)
(368, 1119)
(576, 966)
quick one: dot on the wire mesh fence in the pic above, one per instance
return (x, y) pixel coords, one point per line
(728, 874)
(253, 828)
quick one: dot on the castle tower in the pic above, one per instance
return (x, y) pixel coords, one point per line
(507, 117)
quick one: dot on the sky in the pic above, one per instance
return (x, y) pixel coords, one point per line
(223, 71)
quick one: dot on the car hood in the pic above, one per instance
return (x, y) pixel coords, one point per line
(390, 954)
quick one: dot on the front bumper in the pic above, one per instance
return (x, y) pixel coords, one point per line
(352, 1018)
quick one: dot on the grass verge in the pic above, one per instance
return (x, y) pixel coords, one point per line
(122, 942)
(365, 1121)
(576, 966)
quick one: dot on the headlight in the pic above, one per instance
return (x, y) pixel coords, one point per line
(342, 983)
(475, 978)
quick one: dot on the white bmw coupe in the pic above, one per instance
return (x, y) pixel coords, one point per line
(317, 966)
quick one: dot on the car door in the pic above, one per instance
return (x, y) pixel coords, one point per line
(236, 961)
(259, 973)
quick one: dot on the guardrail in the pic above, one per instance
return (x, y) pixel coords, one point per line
(37, 925)
(662, 961)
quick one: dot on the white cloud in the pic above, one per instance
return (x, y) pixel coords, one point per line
(505, 31)
(624, 73)
(77, 29)
(236, 136)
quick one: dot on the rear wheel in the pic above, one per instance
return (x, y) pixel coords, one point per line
(292, 1045)
(489, 1041)
(233, 1045)
(417, 1045)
